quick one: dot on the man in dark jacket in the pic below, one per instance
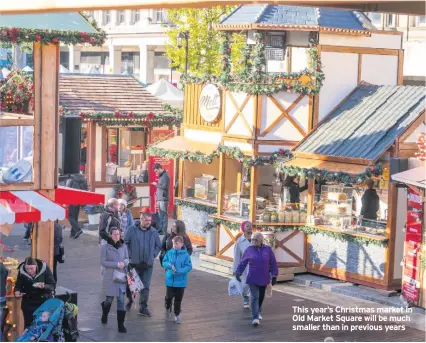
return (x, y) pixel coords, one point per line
(77, 181)
(370, 202)
(162, 196)
(109, 218)
(143, 243)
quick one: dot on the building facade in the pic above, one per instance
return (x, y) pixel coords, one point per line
(413, 42)
(135, 45)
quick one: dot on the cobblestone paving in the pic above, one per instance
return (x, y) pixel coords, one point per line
(208, 313)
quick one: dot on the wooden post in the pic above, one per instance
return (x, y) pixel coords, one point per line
(46, 81)
(91, 155)
(253, 193)
(311, 197)
(221, 192)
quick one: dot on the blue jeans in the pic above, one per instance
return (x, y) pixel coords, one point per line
(145, 275)
(120, 301)
(257, 295)
(246, 293)
(162, 216)
(2, 305)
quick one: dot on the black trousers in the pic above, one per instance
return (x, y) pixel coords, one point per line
(73, 211)
(177, 294)
(55, 265)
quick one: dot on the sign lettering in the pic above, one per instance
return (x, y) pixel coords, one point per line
(209, 103)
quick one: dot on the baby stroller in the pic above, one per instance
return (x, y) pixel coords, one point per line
(62, 324)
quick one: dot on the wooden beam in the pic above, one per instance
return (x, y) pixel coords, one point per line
(16, 122)
(400, 68)
(180, 178)
(49, 116)
(259, 114)
(37, 65)
(91, 154)
(310, 113)
(221, 191)
(359, 50)
(359, 68)
(341, 159)
(104, 149)
(253, 193)
(285, 113)
(239, 112)
(311, 197)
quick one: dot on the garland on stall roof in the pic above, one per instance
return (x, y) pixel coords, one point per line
(197, 207)
(68, 37)
(119, 118)
(339, 177)
(230, 225)
(127, 192)
(233, 152)
(254, 80)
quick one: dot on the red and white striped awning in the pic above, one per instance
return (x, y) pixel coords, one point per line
(32, 206)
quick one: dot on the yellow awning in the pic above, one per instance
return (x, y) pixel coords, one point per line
(334, 167)
(180, 143)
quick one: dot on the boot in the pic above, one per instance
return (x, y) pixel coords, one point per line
(105, 311)
(121, 315)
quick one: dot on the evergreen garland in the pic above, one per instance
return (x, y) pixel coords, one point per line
(198, 207)
(20, 35)
(254, 80)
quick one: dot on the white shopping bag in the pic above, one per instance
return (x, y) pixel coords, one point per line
(235, 287)
(268, 292)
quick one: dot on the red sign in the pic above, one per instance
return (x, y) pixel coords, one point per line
(413, 238)
(168, 166)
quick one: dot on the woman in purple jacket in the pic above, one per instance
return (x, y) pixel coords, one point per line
(262, 265)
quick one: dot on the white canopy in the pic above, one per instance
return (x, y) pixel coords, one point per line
(28, 69)
(415, 177)
(94, 70)
(165, 91)
(63, 70)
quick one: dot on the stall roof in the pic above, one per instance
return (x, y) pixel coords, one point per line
(105, 93)
(168, 93)
(415, 177)
(335, 167)
(302, 16)
(72, 21)
(182, 144)
(366, 123)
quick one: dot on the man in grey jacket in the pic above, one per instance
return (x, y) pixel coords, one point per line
(242, 243)
(143, 243)
(162, 196)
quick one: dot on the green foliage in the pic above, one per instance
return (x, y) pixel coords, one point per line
(204, 56)
(197, 207)
(17, 92)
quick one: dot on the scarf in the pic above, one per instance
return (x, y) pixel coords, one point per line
(123, 221)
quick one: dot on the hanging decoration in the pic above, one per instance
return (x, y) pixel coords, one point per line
(230, 225)
(120, 118)
(255, 80)
(125, 191)
(225, 51)
(339, 177)
(198, 207)
(233, 152)
(17, 92)
(421, 143)
(20, 35)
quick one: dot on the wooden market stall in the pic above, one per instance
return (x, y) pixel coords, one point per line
(29, 189)
(120, 118)
(295, 72)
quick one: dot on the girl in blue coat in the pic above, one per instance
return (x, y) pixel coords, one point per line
(177, 264)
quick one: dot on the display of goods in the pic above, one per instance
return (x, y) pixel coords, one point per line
(266, 218)
(342, 209)
(10, 285)
(330, 208)
(303, 216)
(281, 217)
(295, 217)
(288, 215)
(274, 217)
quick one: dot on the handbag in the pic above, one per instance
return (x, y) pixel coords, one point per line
(119, 276)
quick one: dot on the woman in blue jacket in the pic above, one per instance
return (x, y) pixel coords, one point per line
(177, 263)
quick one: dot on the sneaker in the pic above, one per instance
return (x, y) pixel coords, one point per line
(246, 305)
(177, 320)
(144, 312)
(256, 322)
(260, 317)
(78, 233)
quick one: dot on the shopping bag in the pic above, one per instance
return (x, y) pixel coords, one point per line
(134, 282)
(268, 292)
(235, 287)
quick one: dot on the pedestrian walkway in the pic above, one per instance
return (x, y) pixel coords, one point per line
(208, 314)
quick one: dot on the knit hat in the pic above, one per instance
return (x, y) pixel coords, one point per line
(122, 202)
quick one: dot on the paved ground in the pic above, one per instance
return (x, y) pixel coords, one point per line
(209, 314)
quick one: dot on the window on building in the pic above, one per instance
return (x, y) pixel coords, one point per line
(421, 20)
(376, 19)
(161, 16)
(93, 57)
(390, 20)
(136, 16)
(121, 16)
(130, 62)
(65, 59)
(161, 61)
(106, 17)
